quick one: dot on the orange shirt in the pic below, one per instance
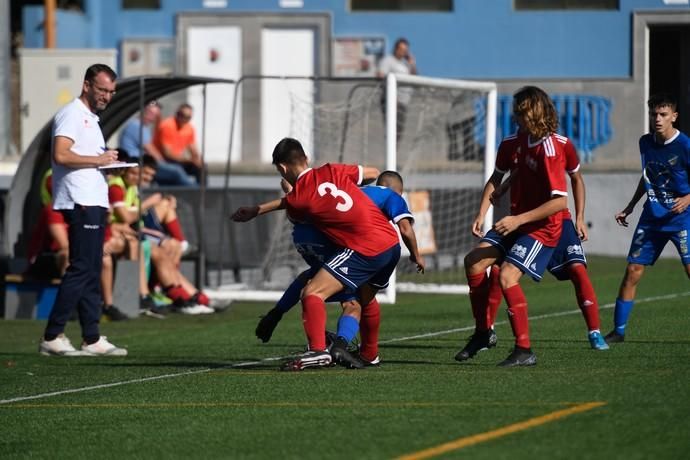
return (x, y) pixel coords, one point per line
(176, 139)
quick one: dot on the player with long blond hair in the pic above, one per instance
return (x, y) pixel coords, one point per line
(524, 240)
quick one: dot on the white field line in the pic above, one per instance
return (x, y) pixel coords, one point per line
(278, 358)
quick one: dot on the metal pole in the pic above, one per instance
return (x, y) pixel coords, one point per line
(226, 187)
(490, 152)
(49, 23)
(391, 149)
(5, 64)
(142, 101)
(201, 265)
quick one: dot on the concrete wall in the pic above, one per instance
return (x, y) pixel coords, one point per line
(608, 194)
(479, 39)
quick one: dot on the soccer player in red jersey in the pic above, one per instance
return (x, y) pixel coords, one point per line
(329, 198)
(524, 240)
(568, 261)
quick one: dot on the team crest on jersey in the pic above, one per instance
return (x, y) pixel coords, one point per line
(531, 163)
(574, 249)
(519, 250)
(673, 160)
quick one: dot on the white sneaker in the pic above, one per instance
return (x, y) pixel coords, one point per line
(103, 348)
(375, 362)
(59, 346)
(196, 310)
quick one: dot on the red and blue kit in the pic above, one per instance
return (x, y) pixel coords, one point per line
(538, 169)
(329, 198)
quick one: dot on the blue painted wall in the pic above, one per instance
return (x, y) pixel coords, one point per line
(479, 39)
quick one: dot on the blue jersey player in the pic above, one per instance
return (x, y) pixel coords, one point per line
(665, 217)
(315, 248)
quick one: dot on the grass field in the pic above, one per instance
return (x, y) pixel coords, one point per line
(206, 388)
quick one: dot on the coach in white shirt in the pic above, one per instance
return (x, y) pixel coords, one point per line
(80, 193)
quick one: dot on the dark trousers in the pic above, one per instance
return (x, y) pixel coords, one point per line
(81, 283)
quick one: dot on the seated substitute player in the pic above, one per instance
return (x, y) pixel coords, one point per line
(124, 198)
(524, 240)
(48, 250)
(315, 248)
(329, 198)
(567, 263)
(665, 217)
(159, 216)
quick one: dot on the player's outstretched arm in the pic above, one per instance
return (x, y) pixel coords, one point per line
(621, 216)
(410, 239)
(247, 213)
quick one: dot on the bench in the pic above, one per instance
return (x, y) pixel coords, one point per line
(27, 298)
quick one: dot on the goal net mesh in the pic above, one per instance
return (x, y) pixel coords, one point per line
(441, 142)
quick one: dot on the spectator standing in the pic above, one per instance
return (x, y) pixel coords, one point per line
(80, 192)
(400, 62)
(175, 139)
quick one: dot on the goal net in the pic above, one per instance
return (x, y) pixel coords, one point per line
(439, 134)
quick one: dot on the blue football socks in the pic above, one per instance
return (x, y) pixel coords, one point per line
(347, 328)
(621, 313)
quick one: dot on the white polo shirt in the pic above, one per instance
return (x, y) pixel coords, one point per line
(391, 64)
(85, 186)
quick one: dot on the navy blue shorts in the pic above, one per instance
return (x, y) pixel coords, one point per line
(354, 270)
(523, 251)
(648, 243)
(345, 295)
(569, 251)
(153, 230)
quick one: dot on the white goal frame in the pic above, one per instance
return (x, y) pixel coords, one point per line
(241, 292)
(490, 88)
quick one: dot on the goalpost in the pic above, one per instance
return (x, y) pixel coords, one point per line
(439, 134)
(467, 112)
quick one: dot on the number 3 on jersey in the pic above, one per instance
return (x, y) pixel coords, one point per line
(331, 189)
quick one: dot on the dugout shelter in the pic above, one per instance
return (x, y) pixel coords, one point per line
(23, 198)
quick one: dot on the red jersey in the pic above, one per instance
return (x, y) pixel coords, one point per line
(572, 164)
(329, 198)
(538, 169)
(41, 239)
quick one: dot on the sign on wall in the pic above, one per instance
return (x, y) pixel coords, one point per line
(147, 57)
(357, 56)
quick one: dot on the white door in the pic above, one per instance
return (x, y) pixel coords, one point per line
(286, 105)
(216, 52)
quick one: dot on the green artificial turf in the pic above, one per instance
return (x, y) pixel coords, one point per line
(205, 387)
